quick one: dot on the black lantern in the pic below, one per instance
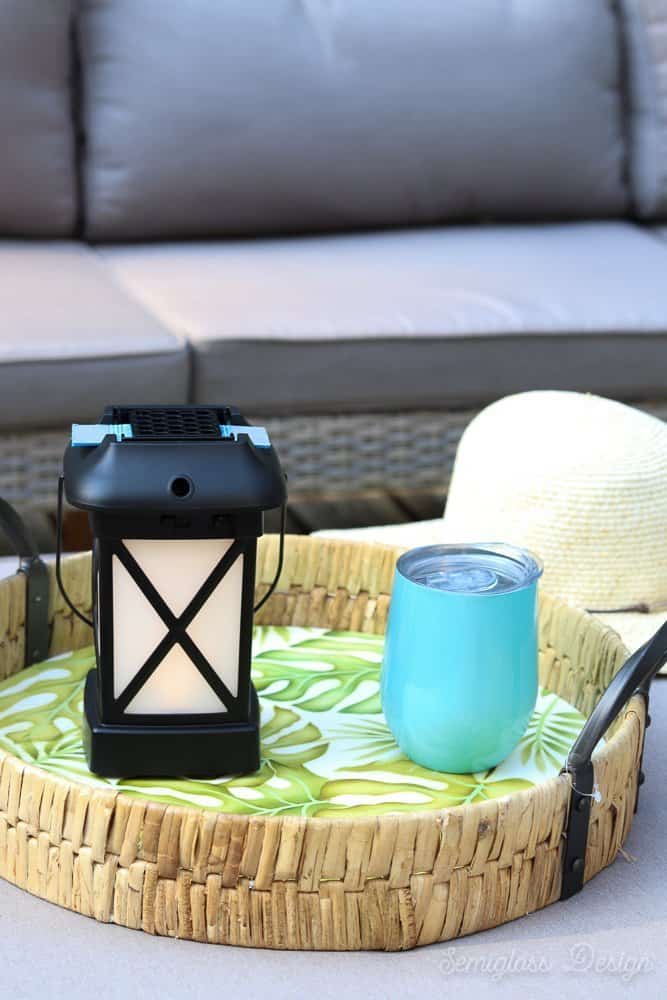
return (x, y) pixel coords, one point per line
(175, 497)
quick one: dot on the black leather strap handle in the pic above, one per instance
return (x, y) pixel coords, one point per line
(634, 677)
(37, 584)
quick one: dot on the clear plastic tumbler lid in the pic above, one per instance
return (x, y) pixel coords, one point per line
(482, 568)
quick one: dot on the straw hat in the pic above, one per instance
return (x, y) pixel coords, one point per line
(582, 482)
(577, 479)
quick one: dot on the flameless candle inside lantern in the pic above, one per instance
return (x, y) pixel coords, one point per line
(176, 498)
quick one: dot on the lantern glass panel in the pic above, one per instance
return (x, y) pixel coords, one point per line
(177, 568)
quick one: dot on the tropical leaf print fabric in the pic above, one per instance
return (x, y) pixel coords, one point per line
(326, 749)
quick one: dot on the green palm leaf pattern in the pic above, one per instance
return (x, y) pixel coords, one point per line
(325, 747)
(369, 740)
(282, 785)
(42, 703)
(552, 730)
(272, 637)
(335, 670)
(403, 786)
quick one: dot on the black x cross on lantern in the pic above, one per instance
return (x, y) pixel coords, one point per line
(177, 626)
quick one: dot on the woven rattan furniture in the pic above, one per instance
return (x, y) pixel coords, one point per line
(383, 882)
(343, 453)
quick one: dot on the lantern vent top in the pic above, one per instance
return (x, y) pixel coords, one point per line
(162, 459)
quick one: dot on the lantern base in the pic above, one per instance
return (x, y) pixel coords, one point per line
(151, 751)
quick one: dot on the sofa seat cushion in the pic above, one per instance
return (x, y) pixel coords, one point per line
(73, 339)
(413, 319)
(37, 172)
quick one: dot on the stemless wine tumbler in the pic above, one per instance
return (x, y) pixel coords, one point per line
(459, 675)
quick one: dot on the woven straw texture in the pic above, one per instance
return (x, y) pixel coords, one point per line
(382, 882)
(577, 479)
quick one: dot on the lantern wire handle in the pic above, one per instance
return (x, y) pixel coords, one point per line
(59, 540)
(281, 557)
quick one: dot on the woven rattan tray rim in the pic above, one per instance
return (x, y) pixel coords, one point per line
(368, 887)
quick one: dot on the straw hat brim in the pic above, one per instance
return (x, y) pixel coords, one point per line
(634, 628)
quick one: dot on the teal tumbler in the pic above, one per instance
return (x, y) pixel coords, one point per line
(459, 675)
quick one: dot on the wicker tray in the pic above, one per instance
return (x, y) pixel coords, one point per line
(392, 881)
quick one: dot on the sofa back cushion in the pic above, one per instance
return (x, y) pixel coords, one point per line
(215, 117)
(37, 172)
(646, 34)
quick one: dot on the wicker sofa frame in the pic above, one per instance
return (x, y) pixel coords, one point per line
(344, 454)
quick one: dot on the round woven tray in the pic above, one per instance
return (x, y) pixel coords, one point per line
(390, 881)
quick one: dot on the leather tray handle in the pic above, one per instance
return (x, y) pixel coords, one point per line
(634, 677)
(37, 583)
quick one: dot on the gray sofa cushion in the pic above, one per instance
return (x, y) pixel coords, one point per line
(37, 189)
(430, 318)
(646, 34)
(212, 118)
(73, 340)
